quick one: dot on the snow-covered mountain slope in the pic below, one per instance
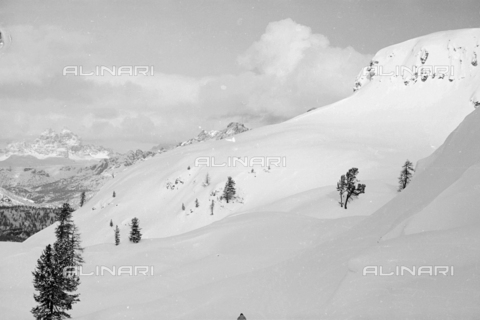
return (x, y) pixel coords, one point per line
(289, 265)
(278, 251)
(375, 130)
(65, 144)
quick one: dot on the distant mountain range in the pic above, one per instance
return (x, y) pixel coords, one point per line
(231, 130)
(50, 144)
(57, 167)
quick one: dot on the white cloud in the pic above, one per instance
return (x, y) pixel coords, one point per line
(281, 48)
(287, 71)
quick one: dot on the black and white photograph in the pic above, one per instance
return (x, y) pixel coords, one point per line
(239, 159)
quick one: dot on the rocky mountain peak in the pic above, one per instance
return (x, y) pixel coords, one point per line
(64, 144)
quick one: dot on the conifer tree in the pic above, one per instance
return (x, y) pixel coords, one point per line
(135, 235)
(405, 175)
(212, 205)
(67, 249)
(229, 191)
(52, 280)
(196, 203)
(117, 236)
(352, 190)
(183, 207)
(114, 194)
(82, 198)
(341, 188)
(77, 247)
(207, 179)
(111, 223)
(64, 217)
(53, 296)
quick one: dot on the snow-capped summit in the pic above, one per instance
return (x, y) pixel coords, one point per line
(446, 56)
(49, 144)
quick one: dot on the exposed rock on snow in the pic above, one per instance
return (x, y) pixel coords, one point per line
(450, 55)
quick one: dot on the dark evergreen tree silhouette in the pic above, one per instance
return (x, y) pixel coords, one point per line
(341, 188)
(64, 218)
(53, 288)
(77, 247)
(212, 205)
(207, 179)
(352, 190)
(67, 248)
(111, 223)
(114, 194)
(196, 203)
(82, 198)
(183, 207)
(229, 191)
(117, 236)
(241, 317)
(54, 279)
(135, 235)
(405, 175)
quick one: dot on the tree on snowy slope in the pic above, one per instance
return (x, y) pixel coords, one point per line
(341, 188)
(82, 198)
(351, 188)
(64, 263)
(77, 247)
(229, 191)
(54, 279)
(52, 298)
(135, 235)
(117, 236)
(68, 232)
(405, 175)
(241, 317)
(64, 218)
(67, 253)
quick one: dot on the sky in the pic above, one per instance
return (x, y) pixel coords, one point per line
(210, 62)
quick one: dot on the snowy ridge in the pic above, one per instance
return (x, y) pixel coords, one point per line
(448, 55)
(231, 130)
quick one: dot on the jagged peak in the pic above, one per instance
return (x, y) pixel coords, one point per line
(65, 144)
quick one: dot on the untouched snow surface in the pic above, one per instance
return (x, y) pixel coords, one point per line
(285, 249)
